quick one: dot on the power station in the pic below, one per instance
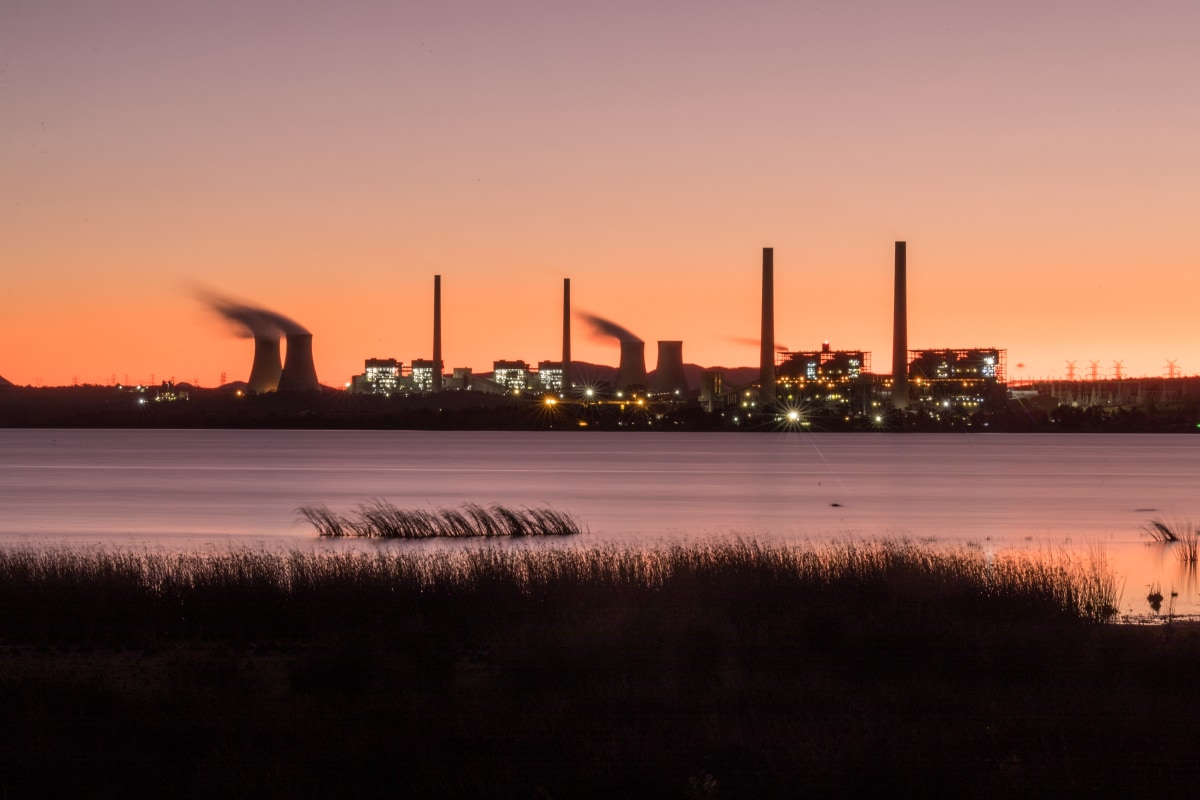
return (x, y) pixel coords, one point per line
(788, 382)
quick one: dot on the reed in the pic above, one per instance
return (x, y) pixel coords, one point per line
(1160, 531)
(382, 520)
(130, 594)
(1188, 548)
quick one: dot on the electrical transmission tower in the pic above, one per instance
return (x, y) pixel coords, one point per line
(1070, 370)
(1093, 370)
(1172, 367)
(1117, 367)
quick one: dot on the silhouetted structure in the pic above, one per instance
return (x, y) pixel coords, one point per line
(712, 389)
(436, 382)
(266, 327)
(565, 381)
(767, 339)
(965, 379)
(299, 372)
(668, 375)
(268, 365)
(632, 371)
(900, 332)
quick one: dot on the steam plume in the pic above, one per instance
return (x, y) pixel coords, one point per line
(604, 327)
(252, 322)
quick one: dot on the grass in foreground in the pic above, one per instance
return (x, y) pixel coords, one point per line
(738, 670)
(382, 520)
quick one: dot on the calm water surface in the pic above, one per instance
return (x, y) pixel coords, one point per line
(200, 488)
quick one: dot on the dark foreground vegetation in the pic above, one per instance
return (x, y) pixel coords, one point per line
(727, 671)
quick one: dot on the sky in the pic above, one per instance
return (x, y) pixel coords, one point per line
(325, 160)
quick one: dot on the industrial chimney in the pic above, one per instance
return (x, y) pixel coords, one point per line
(900, 333)
(766, 375)
(566, 342)
(437, 333)
(632, 371)
(669, 377)
(299, 372)
(264, 373)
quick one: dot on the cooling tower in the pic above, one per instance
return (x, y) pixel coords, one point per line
(299, 371)
(900, 333)
(669, 377)
(632, 371)
(264, 374)
(566, 357)
(437, 333)
(766, 374)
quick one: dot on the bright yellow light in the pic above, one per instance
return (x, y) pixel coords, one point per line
(550, 401)
(793, 415)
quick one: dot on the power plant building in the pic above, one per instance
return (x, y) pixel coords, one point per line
(380, 376)
(829, 378)
(423, 373)
(965, 379)
(512, 375)
(550, 376)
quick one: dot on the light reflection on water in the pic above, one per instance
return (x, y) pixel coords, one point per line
(190, 489)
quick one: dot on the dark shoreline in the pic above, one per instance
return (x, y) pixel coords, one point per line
(695, 672)
(333, 409)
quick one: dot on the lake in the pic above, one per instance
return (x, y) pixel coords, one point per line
(193, 489)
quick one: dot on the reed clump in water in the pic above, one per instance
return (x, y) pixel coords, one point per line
(382, 520)
(1185, 536)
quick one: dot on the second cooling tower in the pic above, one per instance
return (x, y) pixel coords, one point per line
(669, 377)
(299, 371)
(632, 371)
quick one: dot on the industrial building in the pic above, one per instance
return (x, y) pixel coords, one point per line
(966, 380)
(380, 376)
(550, 376)
(511, 375)
(838, 380)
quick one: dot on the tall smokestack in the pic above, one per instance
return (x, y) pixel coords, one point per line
(437, 333)
(668, 376)
(632, 371)
(900, 332)
(566, 357)
(267, 367)
(299, 372)
(766, 374)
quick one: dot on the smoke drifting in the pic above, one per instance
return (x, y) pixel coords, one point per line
(779, 348)
(604, 327)
(252, 322)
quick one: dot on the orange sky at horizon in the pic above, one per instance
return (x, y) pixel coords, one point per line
(325, 161)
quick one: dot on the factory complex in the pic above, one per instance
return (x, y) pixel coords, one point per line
(788, 385)
(929, 387)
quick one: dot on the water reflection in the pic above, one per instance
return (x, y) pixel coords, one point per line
(195, 489)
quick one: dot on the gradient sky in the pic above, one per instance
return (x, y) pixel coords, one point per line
(325, 160)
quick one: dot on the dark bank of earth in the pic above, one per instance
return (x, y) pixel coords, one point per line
(730, 681)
